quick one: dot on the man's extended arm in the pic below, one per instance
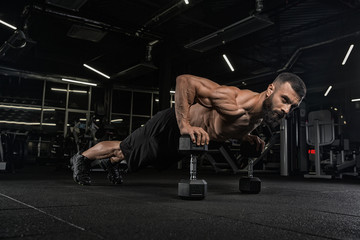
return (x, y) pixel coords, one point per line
(189, 89)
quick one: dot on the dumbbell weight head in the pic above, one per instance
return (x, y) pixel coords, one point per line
(250, 185)
(192, 189)
(186, 146)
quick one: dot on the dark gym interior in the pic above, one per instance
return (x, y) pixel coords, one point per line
(76, 73)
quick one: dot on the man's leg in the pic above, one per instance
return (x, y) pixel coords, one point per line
(105, 149)
(112, 159)
(111, 155)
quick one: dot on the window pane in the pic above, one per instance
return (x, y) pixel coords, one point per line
(142, 103)
(21, 91)
(78, 97)
(77, 126)
(53, 121)
(55, 94)
(121, 102)
(76, 117)
(97, 96)
(122, 124)
(20, 119)
(155, 104)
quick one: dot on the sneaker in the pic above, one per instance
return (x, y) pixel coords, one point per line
(80, 166)
(115, 171)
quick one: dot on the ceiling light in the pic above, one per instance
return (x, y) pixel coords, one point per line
(355, 100)
(7, 24)
(97, 71)
(64, 90)
(117, 120)
(27, 123)
(228, 62)
(49, 124)
(153, 42)
(347, 54)
(172, 91)
(58, 89)
(74, 81)
(186, 1)
(78, 91)
(25, 108)
(156, 99)
(83, 119)
(327, 91)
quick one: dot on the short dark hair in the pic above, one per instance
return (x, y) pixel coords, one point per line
(295, 81)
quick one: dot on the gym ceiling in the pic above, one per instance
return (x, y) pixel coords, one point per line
(132, 41)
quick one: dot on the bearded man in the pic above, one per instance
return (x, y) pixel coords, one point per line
(204, 110)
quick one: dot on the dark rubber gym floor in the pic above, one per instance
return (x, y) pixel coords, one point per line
(44, 203)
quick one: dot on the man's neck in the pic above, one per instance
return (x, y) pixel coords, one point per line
(257, 110)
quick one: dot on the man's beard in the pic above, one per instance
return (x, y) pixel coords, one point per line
(271, 117)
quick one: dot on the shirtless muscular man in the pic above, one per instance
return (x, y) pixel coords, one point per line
(204, 110)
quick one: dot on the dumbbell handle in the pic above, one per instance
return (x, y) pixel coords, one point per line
(251, 167)
(193, 161)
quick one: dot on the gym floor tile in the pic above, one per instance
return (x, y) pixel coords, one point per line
(41, 203)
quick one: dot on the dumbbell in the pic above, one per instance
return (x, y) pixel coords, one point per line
(250, 184)
(191, 189)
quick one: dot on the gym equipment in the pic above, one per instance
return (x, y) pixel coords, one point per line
(235, 157)
(13, 150)
(342, 160)
(192, 189)
(284, 148)
(319, 132)
(250, 184)
(2, 160)
(337, 157)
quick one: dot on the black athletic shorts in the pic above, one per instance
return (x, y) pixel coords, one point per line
(155, 144)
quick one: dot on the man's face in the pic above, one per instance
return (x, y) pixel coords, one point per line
(282, 100)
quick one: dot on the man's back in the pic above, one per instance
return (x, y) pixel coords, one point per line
(236, 122)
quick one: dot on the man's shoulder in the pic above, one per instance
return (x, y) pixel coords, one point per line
(246, 99)
(245, 94)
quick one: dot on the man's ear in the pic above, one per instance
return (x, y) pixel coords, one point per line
(270, 90)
